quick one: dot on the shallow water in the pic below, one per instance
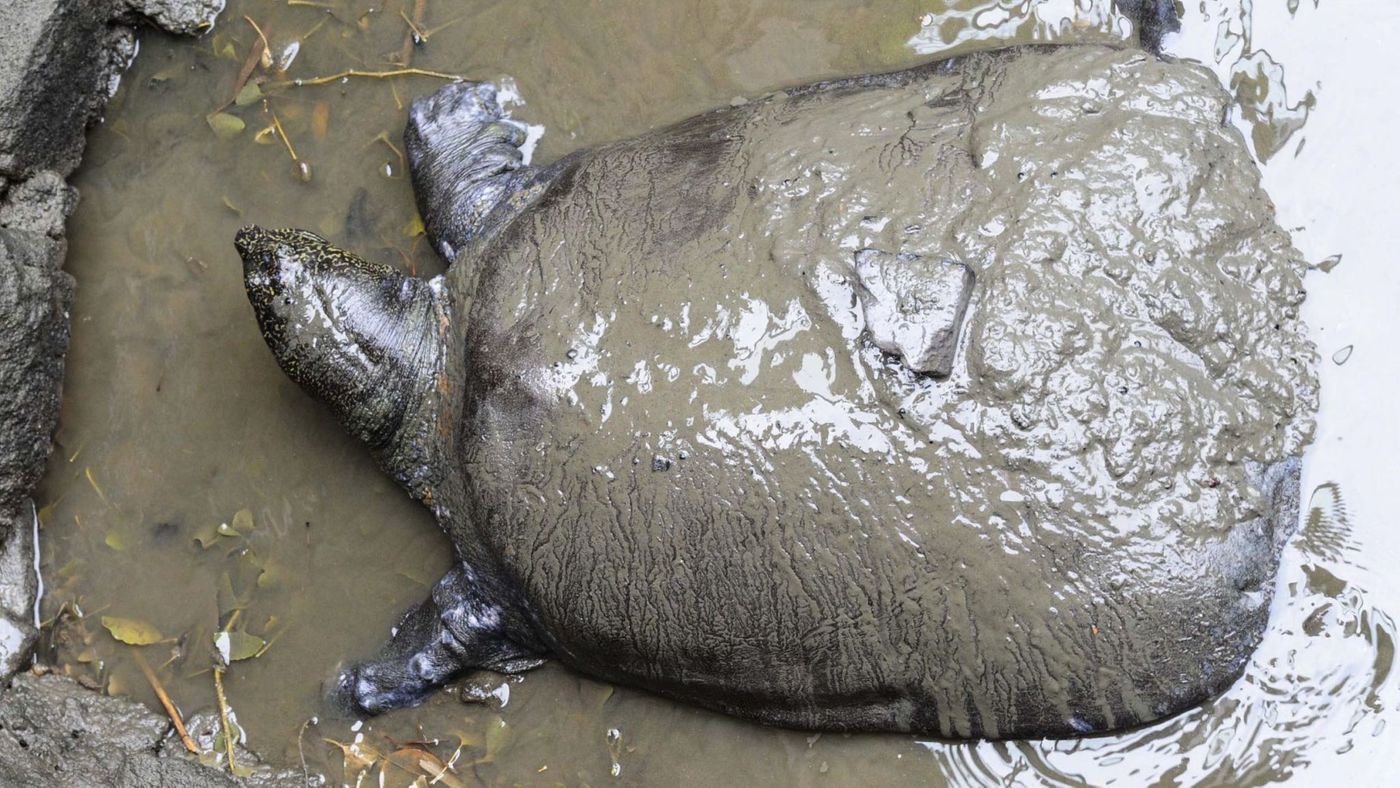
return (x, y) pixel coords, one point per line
(176, 416)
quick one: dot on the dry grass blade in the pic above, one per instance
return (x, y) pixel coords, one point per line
(255, 56)
(266, 57)
(166, 702)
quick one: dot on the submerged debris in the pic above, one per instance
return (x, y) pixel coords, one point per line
(132, 631)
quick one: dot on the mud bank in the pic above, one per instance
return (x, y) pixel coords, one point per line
(59, 63)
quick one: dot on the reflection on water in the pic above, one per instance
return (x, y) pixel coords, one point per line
(177, 418)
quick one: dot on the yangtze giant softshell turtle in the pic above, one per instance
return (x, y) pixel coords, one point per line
(961, 400)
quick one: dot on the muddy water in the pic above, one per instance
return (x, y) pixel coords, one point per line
(176, 417)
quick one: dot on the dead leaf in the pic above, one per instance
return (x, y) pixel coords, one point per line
(225, 126)
(243, 521)
(131, 631)
(251, 93)
(320, 120)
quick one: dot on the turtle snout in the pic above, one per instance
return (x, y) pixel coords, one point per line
(249, 239)
(258, 249)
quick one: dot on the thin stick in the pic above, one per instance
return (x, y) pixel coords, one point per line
(223, 714)
(165, 701)
(283, 134)
(354, 72)
(384, 138)
(302, 752)
(266, 47)
(420, 7)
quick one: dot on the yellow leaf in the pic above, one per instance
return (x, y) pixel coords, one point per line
(244, 646)
(243, 521)
(115, 540)
(225, 126)
(131, 631)
(414, 227)
(358, 755)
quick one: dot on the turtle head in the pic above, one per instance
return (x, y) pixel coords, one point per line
(361, 337)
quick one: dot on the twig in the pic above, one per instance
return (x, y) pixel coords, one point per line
(354, 72)
(166, 702)
(302, 752)
(283, 134)
(223, 714)
(384, 138)
(415, 32)
(266, 46)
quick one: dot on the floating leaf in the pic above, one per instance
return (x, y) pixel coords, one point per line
(71, 568)
(497, 735)
(225, 126)
(358, 755)
(250, 94)
(115, 540)
(243, 521)
(1327, 265)
(207, 536)
(414, 227)
(417, 763)
(225, 529)
(229, 600)
(131, 631)
(270, 575)
(236, 646)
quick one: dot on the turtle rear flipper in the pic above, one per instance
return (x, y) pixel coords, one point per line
(465, 158)
(455, 629)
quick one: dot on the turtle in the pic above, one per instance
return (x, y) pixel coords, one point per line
(964, 400)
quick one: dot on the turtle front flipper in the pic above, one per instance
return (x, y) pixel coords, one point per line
(453, 630)
(466, 161)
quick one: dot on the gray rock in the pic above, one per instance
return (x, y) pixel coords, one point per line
(35, 295)
(55, 732)
(19, 591)
(178, 16)
(58, 62)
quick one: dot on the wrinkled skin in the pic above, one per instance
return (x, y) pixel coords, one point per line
(650, 404)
